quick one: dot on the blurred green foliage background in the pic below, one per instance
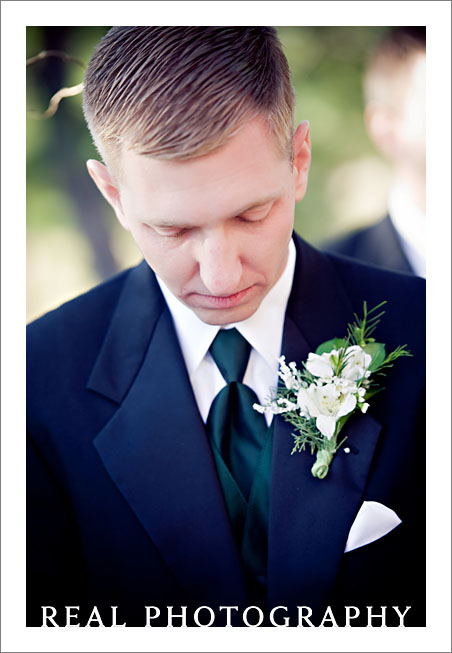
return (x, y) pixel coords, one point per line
(73, 238)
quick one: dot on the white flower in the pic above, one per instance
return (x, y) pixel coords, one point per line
(322, 365)
(327, 404)
(356, 363)
(345, 386)
(325, 366)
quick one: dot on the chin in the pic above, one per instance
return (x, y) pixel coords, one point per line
(223, 317)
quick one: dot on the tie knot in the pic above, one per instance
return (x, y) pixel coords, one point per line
(230, 352)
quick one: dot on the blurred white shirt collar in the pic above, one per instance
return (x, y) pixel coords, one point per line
(410, 223)
(263, 330)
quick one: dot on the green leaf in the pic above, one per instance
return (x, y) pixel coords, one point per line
(373, 392)
(378, 353)
(329, 345)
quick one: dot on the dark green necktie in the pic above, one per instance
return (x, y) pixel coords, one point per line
(237, 430)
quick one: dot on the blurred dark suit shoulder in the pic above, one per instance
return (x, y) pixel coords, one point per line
(378, 245)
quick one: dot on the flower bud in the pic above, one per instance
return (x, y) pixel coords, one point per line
(322, 464)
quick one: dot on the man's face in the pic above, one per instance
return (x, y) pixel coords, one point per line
(412, 122)
(396, 118)
(215, 228)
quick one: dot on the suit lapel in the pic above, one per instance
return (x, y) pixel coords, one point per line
(384, 240)
(310, 518)
(156, 451)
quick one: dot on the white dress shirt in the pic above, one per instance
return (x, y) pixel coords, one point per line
(263, 330)
(409, 222)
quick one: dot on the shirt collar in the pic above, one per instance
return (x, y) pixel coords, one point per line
(263, 330)
(409, 222)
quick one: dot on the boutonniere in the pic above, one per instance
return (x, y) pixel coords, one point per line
(335, 382)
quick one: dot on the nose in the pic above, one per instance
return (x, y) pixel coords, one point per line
(220, 265)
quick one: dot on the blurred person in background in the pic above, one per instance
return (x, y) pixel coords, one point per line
(394, 88)
(149, 482)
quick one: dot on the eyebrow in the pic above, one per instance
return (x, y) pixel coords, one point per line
(254, 205)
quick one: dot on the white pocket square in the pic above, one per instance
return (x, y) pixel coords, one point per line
(372, 522)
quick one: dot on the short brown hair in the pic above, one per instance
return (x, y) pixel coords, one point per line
(390, 63)
(181, 92)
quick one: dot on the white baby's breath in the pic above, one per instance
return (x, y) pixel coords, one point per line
(289, 374)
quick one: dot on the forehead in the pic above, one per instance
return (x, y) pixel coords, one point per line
(248, 169)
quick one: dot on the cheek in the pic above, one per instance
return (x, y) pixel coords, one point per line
(282, 228)
(170, 260)
(281, 236)
(267, 253)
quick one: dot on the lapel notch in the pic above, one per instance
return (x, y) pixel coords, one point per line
(122, 353)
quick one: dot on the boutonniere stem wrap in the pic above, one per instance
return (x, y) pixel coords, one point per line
(335, 382)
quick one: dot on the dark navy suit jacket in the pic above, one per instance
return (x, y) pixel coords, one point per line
(378, 244)
(124, 504)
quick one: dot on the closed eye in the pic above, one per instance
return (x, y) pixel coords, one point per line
(170, 232)
(255, 216)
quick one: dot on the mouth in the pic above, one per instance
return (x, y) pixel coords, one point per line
(199, 300)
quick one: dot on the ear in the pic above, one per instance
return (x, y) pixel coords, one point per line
(302, 158)
(106, 185)
(382, 127)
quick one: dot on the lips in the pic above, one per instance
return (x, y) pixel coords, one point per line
(198, 300)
